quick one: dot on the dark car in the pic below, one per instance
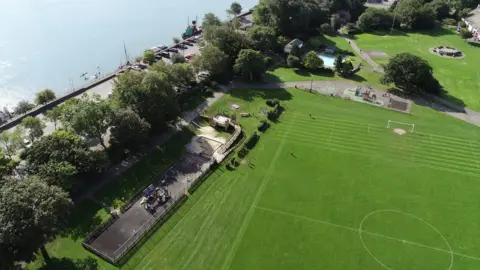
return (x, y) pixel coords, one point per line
(165, 54)
(172, 50)
(187, 43)
(181, 46)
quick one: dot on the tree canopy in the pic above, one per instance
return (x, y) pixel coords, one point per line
(415, 14)
(440, 8)
(210, 19)
(54, 115)
(90, 117)
(235, 8)
(33, 127)
(44, 96)
(23, 107)
(177, 58)
(148, 57)
(411, 74)
(7, 165)
(375, 19)
(212, 59)
(31, 214)
(312, 61)
(179, 75)
(293, 61)
(228, 40)
(128, 131)
(11, 142)
(263, 37)
(250, 64)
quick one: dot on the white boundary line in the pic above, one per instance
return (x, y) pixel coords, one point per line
(367, 232)
(403, 241)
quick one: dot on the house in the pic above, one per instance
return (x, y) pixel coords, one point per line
(246, 19)
(220, 121)
(473, 20)
(288, 47)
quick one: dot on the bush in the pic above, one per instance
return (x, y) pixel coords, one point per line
(263, 126)
(272, 102)
(274, 113)
(268, 61)
(293, 61)
(449, 21)
(326, 28)
(252, 141)
(243, 152)
(462, 24)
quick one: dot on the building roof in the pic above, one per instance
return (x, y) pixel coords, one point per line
(221, 120)
(473, 18)
(289, 46)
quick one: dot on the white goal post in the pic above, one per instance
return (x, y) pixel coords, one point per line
(392, 124)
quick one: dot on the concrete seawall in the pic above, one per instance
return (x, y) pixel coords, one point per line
(42, 109)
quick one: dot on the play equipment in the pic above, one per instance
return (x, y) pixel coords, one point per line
(154, 197)
(367, 95)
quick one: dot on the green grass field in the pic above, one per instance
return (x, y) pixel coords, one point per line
(459, 77)
(339, 191)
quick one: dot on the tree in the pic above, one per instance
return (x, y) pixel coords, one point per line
(415, 15)
(32, 213)
(11, 142)
(338, 63)
(346, 68)
(335, 22)
(235, 9)
(179, 75)
(440, 8)
(176, 40)
(250, 64)
(33, 127)
(210, 19)
(411, 74)
(375, 19)
(212, 59)
(44, 96)
(129, 131)
(177, 58)
(23, 107)
(228, 40)
(150, 95)
(7, 165)
(312, 61)
(463, 13)
(148, 57)
(58, 173)
(54, 115)
(64, 148)
(90, 117)
(465, 34)
(326, 28)
(293, 61)
(263, 37)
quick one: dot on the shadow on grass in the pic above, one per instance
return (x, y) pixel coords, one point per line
(83, 220)
(437, 32)
(474, 44)
(88, 263)
(250, 94)
(393, 33)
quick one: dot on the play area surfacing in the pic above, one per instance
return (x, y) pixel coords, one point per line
(331, 186)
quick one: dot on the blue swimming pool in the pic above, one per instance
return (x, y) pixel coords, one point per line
(328, 60)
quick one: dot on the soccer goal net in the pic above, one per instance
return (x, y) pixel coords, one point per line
(405, 126)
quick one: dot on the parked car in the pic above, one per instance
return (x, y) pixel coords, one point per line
(162, 47)
(188, 43)
(172, 50)
(165, 54)
(189, 56)
(181, 46)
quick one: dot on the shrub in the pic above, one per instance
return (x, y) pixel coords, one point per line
(274, 113)
(268, 61)
(252, 141)
(243, 152)
(272, 102)
(449, 21)
(263, 126)
(326, 28)
(462, 24)
(293, 61)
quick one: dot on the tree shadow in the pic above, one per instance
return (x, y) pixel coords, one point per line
(88, 263)
(437, 32)
(249, 94)
(389, 33)
(83, 220)
(271, 78)
(326, 41)
(356, 78)
(474, 44)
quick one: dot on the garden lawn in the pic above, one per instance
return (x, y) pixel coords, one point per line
(459, 77)
(364, 76)
(334, 190)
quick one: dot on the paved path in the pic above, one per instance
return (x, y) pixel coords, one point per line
(376, 67)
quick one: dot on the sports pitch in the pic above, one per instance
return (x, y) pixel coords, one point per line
(337, 190)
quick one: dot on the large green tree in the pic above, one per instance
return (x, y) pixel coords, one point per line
(440, 8)
(33, 127)
(23, 107)
(150, 95)
(312, 61)
(148, 57)
(31, 214)
(411, 74)
(227, 39)
(375, 19)
(179, 75)
(415, 14)
(212, 59)
(263, 37)
(129, 132)
(210, 19)
(44, 96)
(54, 115)
(90, 117)
(235, 9)
(11, 142)
(7, 165)
(177, 58)
(59, 150)
(250, 64)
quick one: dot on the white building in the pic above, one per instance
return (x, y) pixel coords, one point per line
(288, 47)
(473, 20)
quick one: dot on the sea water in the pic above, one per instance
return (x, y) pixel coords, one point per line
(47, 43)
